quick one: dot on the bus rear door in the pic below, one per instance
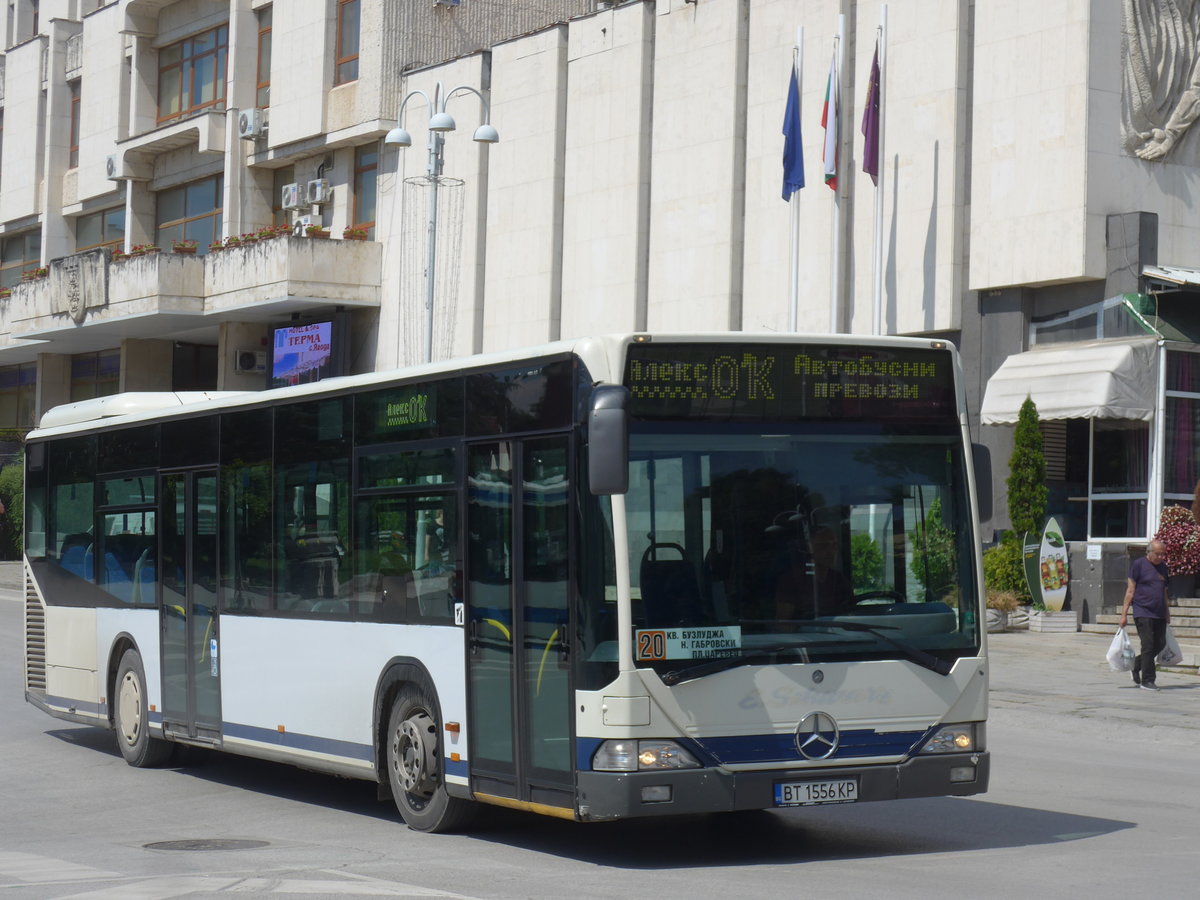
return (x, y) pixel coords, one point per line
(190, 644)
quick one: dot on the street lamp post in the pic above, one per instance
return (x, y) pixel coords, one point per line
(440, 122)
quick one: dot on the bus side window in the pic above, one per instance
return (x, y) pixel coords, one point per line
(312, 507)
(72, 504)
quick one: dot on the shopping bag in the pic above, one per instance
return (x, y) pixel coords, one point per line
(1120, 652)
(1170, 655)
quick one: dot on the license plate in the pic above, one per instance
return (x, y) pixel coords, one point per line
(812, 793)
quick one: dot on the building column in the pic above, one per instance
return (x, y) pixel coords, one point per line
(143, 363)
(53, 383)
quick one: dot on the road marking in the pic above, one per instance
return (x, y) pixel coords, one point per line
(33, 869)
(341, 884)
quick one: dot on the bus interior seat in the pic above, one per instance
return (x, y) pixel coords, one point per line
(670, 589)
(116, 580)
(77, 556)
(144, 574)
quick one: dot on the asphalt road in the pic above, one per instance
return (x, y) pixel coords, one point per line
(1094, 794)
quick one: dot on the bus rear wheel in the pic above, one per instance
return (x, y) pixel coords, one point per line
(414, 764)
(131, 716)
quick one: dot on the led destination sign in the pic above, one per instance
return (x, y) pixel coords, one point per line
(669, 381)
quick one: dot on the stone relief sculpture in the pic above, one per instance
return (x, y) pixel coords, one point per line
(1161, 74)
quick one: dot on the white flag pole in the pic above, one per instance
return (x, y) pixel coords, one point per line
(835, 281)
(794, 309)
(882, 166)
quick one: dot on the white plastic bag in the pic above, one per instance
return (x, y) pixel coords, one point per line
(1120, 652)
(1170, 655)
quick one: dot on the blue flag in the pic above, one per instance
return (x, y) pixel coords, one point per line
(793, 152)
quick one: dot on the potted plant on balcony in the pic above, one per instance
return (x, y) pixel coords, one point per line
(119, 255)
(35, 274)
(234, 240)
(316, 231)
(143, 249)
(355, 233)
(214, 246)
(274, 231)
(5, 293)
(184, 247)
(249, 237)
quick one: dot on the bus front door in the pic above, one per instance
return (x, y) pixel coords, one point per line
(518, 583)
(188, 616)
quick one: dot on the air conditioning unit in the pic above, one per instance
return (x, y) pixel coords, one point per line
(250, 362)
(318, 191)
(293, 196)
(302, 222)
(252, 124)
(114, 167)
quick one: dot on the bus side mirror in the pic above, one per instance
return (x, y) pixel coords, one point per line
(982, 458)
(608, 440)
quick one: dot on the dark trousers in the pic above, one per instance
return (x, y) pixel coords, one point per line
(1153, 636)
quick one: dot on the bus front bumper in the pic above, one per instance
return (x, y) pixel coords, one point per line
(619, 795)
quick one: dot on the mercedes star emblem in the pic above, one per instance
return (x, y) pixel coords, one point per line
(817, 736)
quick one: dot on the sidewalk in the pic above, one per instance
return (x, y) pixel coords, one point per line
(1066, 676)
(12, 575)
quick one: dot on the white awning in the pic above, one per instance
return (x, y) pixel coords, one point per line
(1114, 379)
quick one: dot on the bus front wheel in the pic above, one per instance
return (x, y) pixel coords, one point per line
(131, 716)
(414, 763)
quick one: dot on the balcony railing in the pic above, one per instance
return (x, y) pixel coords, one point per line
(162, 294)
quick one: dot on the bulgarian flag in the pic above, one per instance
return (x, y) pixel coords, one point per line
(829, 121)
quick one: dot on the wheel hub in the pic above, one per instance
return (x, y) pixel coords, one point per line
(129, 709)
(413, 757)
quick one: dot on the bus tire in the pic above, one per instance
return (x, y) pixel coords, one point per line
(131, 716)
(414, 765)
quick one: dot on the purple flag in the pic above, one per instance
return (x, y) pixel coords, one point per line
(870, 122)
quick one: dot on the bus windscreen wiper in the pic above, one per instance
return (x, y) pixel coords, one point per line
(722, 663)
(912, 654)
(712, 666)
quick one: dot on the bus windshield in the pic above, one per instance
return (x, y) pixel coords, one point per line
(815, 542)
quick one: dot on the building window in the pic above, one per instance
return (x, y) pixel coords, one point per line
(191, 74)
(366, 170)
(191, 212)
(263, 95)
(347, 41)
(279, 215)
(95, 374)
(100, 229)
(18, 254)
(17, 395)
(73, 154)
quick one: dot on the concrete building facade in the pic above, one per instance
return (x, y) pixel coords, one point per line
(636, 185)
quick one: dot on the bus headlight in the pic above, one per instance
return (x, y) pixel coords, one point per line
(951, 739)
(642, 756)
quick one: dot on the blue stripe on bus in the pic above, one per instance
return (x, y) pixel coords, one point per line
(761, 748)
(585, 749)
(456, 767)
(296, 741)
(69, 704)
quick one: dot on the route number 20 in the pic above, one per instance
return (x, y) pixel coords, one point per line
(651, 645)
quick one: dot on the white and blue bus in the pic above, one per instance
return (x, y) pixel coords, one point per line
(613, 577)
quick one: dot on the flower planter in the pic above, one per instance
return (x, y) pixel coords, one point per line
(184, 251)
(1053, 622)
(1182, 585)
(997, 621)
(317, 234)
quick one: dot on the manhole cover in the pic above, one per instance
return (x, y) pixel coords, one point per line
(206, 844)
